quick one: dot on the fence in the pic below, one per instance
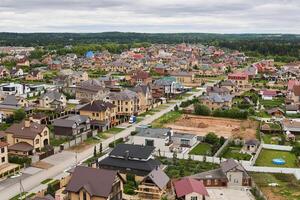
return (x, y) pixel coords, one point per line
(74, 142)
(223, 147)
(277, 147)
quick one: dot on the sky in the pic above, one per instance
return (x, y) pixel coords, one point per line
(151, 16)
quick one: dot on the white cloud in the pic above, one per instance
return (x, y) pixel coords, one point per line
(222, 16)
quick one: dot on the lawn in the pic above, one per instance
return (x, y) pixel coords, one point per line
(57, 141)
(169, 117)
(188, 167)
(276, 102)
(266, 155)
(113, 130)
(288, 187)
(202, 149)
(234, 152)
(271, 138)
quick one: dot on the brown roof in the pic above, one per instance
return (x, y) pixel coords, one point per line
(2, 134)
(296, 90)
(3, 144)
(97, 106)
(97, 182)
(20, 131)
(21, 146)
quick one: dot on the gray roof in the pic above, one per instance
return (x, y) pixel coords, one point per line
(154, 132)
(10, 100)
(123, 95)
(214, 97)
(54, 95)
(133, 151)
(231, 164)
(212, 174)
(70, 121)
(97, 106)
(159, 177)
(184, 135)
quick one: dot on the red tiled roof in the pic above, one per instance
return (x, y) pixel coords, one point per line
(269, 93)
(188, 185)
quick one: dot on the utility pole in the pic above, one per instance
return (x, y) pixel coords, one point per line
(22, 191)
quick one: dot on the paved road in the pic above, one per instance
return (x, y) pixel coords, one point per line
(67, 160)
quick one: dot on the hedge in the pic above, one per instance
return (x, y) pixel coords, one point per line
(116, 142)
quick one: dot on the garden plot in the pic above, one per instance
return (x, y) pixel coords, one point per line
(201, 125)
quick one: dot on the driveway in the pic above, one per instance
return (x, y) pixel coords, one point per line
(229, 194)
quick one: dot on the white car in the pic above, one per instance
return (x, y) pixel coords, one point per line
(16, 175)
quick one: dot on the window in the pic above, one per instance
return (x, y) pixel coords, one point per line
(93, 114)
(45, 133)
(208, 182)
(84, 196)
(149, 142)
(2, 150)
(37, 141)
(3, 159)
(194, 198)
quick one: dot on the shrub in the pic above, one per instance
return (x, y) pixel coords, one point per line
(116, 142)
(201, 109)
(211, 138)
(20, 160)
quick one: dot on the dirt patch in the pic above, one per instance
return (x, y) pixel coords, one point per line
(271, 193)
(80, 147)
(201, 125)
(42, 165)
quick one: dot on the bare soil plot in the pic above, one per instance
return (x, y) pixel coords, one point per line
(201, 125)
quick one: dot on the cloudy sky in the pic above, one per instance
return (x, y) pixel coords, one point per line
(218, 16)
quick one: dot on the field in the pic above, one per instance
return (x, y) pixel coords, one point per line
(288, 187)
(201, 125)
(169, 117)
(201, 149)
(266, 155)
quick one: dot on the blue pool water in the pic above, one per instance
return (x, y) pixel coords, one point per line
(278, 161)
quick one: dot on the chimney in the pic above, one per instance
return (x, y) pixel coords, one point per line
(126, 154)
(27, 123)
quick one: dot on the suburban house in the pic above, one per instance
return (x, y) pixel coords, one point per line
(240, 79)
(27, 137)
(91, 90)
(185, 78)
(145, 97)
(95, 184)
(4, 73)
(154, 185)
(16, 72)
(290, 126)
(72, 126)
(216, 101)
(268, 94)
(34, 75)
(10, 104)
(295, 95)
(168, 86)
(190, 189)
(250, 146)
(276, 112)
(102, 114)
(129, 158)
(140, 77)
(230, 85)
(53, 100)
(230, 173)
(163, 139)
(6, 168)
(127, 102)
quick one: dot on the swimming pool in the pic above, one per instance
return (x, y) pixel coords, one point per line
(278, 161)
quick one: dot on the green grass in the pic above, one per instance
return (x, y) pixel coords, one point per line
(266, 156)
(113, 130)
(270, 138)
(234, 152)
(288, 187)
(18, 196)
(188, 167)
(169, 117)
(202, 149)
(58, 141)
(46, 181)
(276, 102)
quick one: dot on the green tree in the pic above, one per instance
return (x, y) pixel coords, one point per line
(201, 109)
(95, 151)
(211, 138)
(51, 190)
(100, 148)
(19, 115)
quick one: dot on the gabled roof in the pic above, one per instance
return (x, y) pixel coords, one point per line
(97, 182)
(158, 177)
(53, 95)
(187, 186)
(10, 100)
(123, 95)
(20, 131)
(231, 164)
(132, 151)
(71, 121)
(97, 106)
